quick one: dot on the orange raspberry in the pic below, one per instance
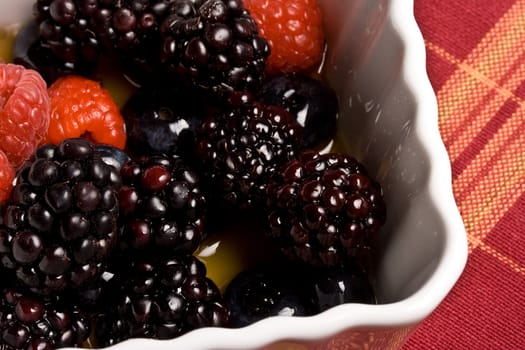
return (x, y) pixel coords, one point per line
(294, 31)
(80, 107)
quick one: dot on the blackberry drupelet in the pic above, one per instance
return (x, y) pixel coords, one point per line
(240, 148)
(159, 299)
(213, 44)
(324, 208)
(60, 224)
(162, 206)
(65, 42)
(30, 322)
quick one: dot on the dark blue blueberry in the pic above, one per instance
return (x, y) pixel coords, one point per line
(314, 104)
(342, 284)
(269, 291)
(112, 155)
(162, 119)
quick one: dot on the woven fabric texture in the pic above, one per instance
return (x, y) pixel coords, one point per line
(476, 64)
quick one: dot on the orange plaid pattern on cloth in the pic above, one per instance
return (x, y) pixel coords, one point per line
(476, 63)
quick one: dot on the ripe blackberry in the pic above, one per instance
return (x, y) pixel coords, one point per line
(60, 224)
(159, 299)
(162, 206)
(324, 208)
(129, 29)
(65, 37)
(213, 44)
(30, 322)
(241, 147)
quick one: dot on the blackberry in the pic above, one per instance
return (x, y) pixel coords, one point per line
(125, 24)
(240, 148)
(60, 225)
(162, 206)
(213, 44)
(65, 39)
(159, 299)
(324, 208)
(30, 322)
(130, 30)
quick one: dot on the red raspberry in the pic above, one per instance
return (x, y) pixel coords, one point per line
(7, 174)
(24, 111)
(294, 30)
(80, 107)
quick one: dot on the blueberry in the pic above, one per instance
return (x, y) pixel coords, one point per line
(112, 155)
(342, 284)
(269, 291)
(162, 119)
(290, 289)
(314, 104)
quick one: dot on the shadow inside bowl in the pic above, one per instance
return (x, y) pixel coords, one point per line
(378, 114)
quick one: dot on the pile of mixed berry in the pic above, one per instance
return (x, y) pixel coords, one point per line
(102, 207)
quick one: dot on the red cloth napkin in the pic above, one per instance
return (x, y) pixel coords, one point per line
(476, 63)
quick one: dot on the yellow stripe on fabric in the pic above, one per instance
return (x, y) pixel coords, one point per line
(494, 150)
(493, 180)
(486, 112)
(466, 71)
(483, 115)
(489, 107)
(515, 266)
(479, 74)
(493, 194)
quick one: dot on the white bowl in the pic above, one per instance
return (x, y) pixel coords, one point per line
(376, 63)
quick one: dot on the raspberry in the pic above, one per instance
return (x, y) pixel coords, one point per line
(7, 174)
(81, 107)
(24, 112)
(294, 31)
